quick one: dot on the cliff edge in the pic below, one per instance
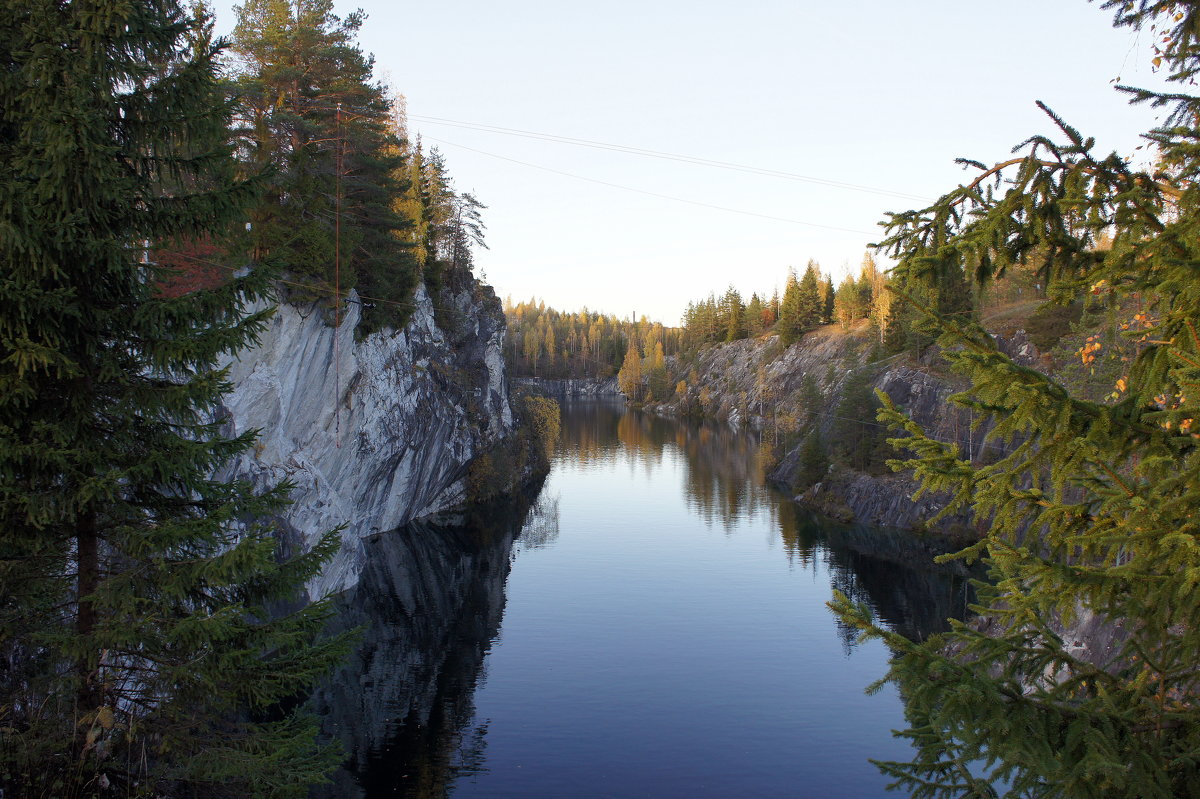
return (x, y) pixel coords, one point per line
(375, 432)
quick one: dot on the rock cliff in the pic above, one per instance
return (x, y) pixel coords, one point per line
(375, 432)
(586, 388)
(785, 391)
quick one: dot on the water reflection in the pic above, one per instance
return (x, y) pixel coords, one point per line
(725, 483)
(432, 595)
(430, 600)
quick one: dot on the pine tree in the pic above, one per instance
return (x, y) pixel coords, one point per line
(308, 100)
(1092, 513)
(142, 650)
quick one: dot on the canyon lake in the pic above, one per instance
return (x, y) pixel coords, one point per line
(652, 623)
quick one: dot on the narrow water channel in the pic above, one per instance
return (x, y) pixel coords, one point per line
(652, 623)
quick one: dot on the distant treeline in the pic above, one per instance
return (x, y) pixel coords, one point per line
(808, 301)
(544, 342)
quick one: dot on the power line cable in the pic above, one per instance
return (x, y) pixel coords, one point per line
(651, 193)
(642, 151)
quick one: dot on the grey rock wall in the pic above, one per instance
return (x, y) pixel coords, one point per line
(373, 433)
(568, 389)
(759, 383)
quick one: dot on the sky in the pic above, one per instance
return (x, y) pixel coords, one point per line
(834, 114)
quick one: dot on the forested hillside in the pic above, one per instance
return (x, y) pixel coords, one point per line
(348, 200)
(547, 343)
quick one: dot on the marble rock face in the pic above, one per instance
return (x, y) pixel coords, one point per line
(372, 433)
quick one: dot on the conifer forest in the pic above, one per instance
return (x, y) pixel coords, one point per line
(165, 191)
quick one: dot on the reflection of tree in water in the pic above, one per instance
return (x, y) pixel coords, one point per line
(430, 600)
(431, 596)
(589, 431)
(722, 480)
(892, 571)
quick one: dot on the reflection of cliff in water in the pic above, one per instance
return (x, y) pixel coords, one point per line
(725, 481)
(430, 600)
(892, 571)
(432, 595)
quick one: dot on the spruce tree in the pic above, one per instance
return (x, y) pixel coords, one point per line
(828, 297)
(813, 462)
(790, 324)
(754, 316)
(735, 315)
(811, 308)
(144, 648)
(855, 432)
(1092, 514)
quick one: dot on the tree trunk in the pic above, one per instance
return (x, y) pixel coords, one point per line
(88, 555)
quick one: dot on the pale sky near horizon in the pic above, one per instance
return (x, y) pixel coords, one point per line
(879, 95)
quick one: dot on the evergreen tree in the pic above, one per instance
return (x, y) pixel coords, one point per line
(705, 322)
(754, 317)
(828, 296)
(813, 462)
(790, 324)
(856, 434)
(308, 100)
(1092, 513)
(810, 308)
(812, 400)
(142, 650)
(735, 315)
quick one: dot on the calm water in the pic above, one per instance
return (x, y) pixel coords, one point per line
(653, 624)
